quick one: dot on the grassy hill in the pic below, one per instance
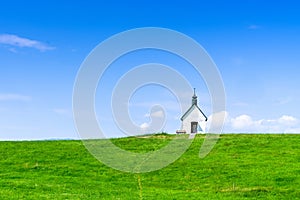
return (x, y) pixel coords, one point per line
(239, 167)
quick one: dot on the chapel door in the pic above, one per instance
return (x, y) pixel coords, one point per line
(194, 126)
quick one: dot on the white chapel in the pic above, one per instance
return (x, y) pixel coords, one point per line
(193, 120)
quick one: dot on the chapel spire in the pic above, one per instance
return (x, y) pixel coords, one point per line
(194, 98)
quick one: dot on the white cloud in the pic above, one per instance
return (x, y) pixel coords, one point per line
(288, 120)
(242, 122)
(17, 41)
(293, 130)
(217, 120)
(14, 97)
(144, 126)
(158, 113)
(245, 123)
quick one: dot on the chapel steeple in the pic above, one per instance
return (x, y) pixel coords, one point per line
(194, 98)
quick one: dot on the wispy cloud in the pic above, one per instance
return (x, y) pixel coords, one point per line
(168, 105)
(12, 50)
(283, 100)
(238, 61)
(17, 41)
(61, 111)
(14, 97)
(158, 113)
(253, 27)
(240, 104)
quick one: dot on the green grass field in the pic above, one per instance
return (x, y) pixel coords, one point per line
(239, 167)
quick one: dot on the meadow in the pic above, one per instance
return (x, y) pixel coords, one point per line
(240, 166)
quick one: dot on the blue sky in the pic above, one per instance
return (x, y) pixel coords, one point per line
(255, 45)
